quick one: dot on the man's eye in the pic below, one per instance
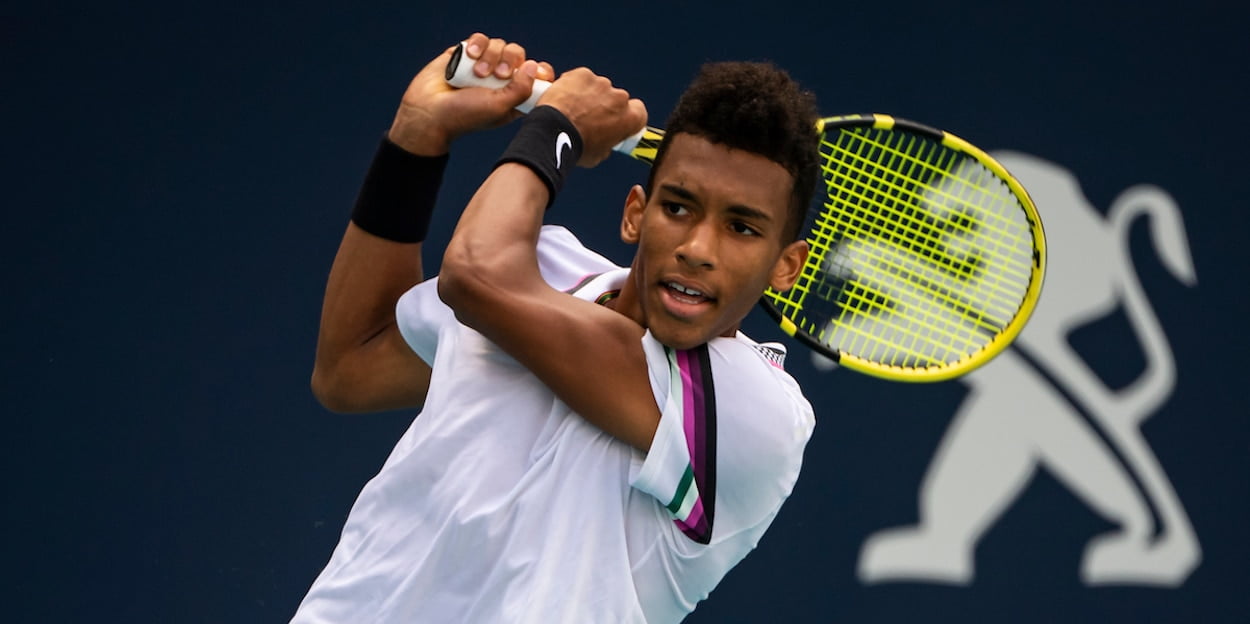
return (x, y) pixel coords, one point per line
(742, 228)
(673, 208)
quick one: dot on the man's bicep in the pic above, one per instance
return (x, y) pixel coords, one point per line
(382, 374)
(392, 369)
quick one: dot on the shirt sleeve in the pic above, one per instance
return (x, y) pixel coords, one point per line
(420, 315)
(729, 445)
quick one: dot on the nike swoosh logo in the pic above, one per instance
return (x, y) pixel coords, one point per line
(562, 140)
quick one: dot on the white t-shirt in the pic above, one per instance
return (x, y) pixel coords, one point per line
(499, 504)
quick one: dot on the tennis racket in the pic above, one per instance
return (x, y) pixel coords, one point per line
(927, 255)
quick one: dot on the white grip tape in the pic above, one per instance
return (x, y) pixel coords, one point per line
(460, 75)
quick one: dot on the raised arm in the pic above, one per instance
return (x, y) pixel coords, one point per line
(590, 356)
(362, 362)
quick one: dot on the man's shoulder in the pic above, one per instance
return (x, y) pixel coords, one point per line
(752, 374)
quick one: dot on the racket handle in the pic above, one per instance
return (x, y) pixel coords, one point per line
(460, 75)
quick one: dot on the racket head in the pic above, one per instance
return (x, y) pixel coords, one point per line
(927, 255)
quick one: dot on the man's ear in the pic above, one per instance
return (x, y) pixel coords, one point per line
(789, 266)
(631, 219)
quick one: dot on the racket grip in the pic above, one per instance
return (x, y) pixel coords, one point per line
(460, 75)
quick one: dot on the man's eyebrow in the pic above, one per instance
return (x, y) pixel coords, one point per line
(749, 212)
(736, 209)
(680, 192)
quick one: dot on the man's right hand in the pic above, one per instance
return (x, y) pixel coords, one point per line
(432, 114)
(603, 114)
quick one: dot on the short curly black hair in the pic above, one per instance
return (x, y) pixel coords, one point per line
(755, 107)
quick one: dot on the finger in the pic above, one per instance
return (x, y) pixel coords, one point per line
(512, 57)
(522, 83)
(546, 72)
(475, 44)
(638, 115)
(489, 60)
(638, 112)
(616, 98)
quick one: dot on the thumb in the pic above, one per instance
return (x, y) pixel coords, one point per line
(521, 86)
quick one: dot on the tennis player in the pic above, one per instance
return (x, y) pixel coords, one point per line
(597, 443)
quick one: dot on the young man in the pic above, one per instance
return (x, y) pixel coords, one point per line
(597, 444)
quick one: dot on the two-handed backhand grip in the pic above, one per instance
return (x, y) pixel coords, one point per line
(460, 75)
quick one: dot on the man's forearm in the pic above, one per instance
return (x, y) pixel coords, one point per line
(378, 260)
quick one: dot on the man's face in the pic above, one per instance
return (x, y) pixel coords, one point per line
(711, 236)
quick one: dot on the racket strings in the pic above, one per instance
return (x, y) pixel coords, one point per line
(887, 259)
(873, 344)
(933, 292)
(902, 254)
(869, 342)
(946, 286)
(902, 182)
(910, 236)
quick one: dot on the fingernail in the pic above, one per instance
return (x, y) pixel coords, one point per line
(531, 69)
(474, 50)
(503, 71)
(482, 68)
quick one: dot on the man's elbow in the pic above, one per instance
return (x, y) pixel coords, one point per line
(465, 283)
(332, 391)
(452, 278)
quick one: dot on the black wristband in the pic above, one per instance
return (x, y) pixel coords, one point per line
(549, 144)
(396, 201)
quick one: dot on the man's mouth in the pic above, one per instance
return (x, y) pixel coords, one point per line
(684, 296)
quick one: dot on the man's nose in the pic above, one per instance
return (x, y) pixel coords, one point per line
(699, 247)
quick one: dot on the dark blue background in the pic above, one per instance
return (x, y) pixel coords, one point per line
(179, 174)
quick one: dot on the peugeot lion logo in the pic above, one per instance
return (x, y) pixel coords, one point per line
(1039, 405)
